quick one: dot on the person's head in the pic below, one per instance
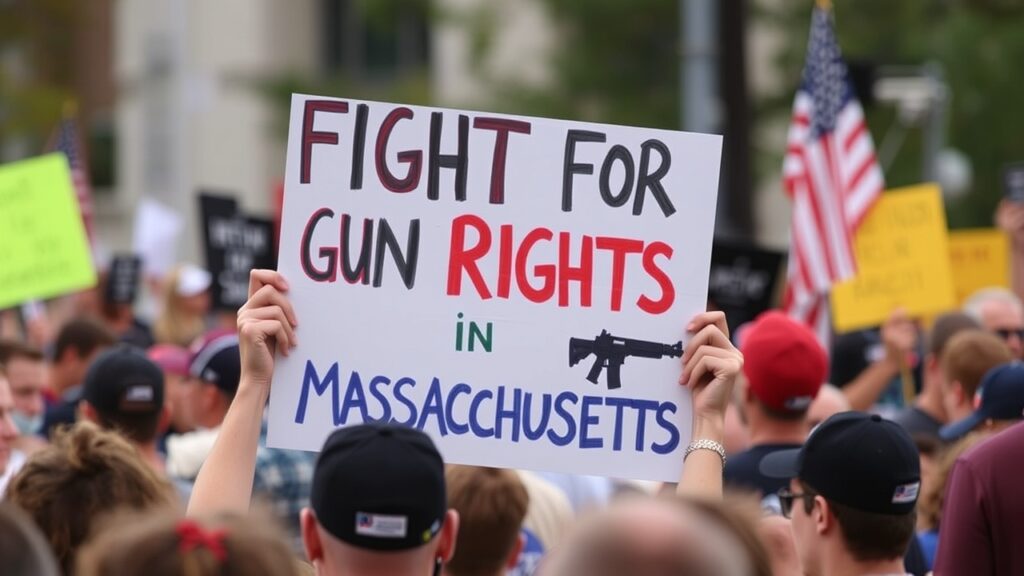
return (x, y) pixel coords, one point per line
(492, 504)
(26, 374)
(8, 430)
(830, 401)
(646, 536)
(968, 357)
(186, 303)
(933, 490)
(378, 504)
(853, 491)
(784, 366)
(999, 401)
(214, 371)
(164, 544)
(85, 473)
(78, 342)
(124, 391)
(23, 550)
(174, 362)
(945, 327)
(999, 311)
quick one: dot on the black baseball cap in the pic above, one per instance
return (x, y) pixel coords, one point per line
(380, 487)
(1001, 397)
(123, 381)
(216, 359)
(860, 460)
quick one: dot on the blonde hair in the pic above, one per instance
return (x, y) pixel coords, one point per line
(933, 499)
(167, 545)
(970, 355)
(175, 325)
(86, 472)
(492, 504)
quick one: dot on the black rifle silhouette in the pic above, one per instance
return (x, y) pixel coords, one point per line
(611, 352)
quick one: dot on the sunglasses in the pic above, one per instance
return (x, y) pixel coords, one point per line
(787, 497)
(1005, 333)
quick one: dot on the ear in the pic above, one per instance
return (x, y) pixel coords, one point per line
(310, 536)
(958, 393)
(824, 521)
(517, 549)
(449, 533)
(87, 413)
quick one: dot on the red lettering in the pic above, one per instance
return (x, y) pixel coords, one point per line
(460, 258)
(620, 248)
(501, 127)
(330, 272)
(584, 273)
(505, 261)
(414, 158)
(668, 291)
(310, 136)
(543, 271)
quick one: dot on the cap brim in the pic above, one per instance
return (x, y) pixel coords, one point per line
(960, 428)
(781, 464)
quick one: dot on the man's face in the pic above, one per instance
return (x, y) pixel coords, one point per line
(8, 432)
(805, 533)
(27, 379)
(178, 389)
(1006, 320)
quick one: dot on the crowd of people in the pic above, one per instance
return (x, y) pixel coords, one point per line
(131, 450)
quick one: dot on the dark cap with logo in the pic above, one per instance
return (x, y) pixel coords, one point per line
(1000, 397)
(123, 381)
(859, 460)
(380, 487)
(216, 359)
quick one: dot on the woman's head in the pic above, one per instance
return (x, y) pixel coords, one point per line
(186, 302)
(85, 473)
(167, 545)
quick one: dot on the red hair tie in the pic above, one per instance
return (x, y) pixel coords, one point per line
(193, 536)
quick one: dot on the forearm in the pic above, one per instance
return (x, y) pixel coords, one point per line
(865, 389)
(702, 473)
(225, 481)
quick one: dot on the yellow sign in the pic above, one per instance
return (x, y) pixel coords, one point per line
(43, 248)
(902, 261)
(980, 259)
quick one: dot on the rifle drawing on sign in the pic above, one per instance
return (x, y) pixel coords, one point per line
(611, 352)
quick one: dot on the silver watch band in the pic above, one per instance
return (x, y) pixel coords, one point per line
(705, 444)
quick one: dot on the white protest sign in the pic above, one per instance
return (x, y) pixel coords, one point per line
(462, 272)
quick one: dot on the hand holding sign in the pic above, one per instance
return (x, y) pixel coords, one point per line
(710, 366)
(266, 319)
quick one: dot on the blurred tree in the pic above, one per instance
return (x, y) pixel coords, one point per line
(979, 45)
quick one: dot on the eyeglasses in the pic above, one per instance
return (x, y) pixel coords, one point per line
(787, 497)
(1005, 333)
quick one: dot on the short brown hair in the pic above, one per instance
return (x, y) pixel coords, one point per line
(870, 536)
(151, 545)
(11, 349)
(946, 326)
(83, 474)
(492, 504)
(970, 354)
(83, 335)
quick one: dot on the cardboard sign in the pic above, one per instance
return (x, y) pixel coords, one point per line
(43, 248)
(123, 279)
(235, 244)
(155, 238)
(980, 259)
(516, 287)
(902, 261)
(742, 281)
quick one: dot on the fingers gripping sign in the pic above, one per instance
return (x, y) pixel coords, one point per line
(266, 323)
(710, 365)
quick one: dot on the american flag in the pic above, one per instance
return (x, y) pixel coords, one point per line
(831, 174)
(66, 140)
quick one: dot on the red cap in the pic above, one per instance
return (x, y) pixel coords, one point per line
(783, 362)
(170, 358)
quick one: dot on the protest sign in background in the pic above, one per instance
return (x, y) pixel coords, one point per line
(43, 248)
(743, 280)
(122, 285)
(461, 272)
(902, 261)
(234, 245)
(980, 259)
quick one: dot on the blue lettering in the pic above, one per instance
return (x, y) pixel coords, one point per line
(449, 408)
(586, 421)
(673, 432)
(642, 406)
(474, 424)
(354, 396)
(320, 387)
(545, 414)
(502, 414)
(376, 393)
(619, 404)
(403, 382)
(570, 422)
(433, 406)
